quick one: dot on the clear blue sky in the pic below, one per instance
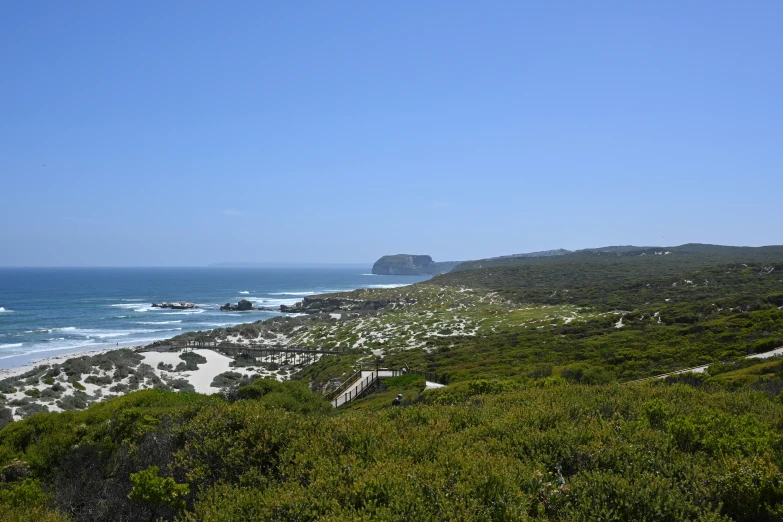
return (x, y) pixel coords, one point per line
(186, 133)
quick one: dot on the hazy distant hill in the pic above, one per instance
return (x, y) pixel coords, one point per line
(502, 260)
(693, 254)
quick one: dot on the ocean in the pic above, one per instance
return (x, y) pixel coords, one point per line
(53, 311)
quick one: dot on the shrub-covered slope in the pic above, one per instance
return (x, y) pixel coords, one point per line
(480, 450)
(535, 422)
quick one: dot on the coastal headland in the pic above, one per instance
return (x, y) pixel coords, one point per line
(525, 385)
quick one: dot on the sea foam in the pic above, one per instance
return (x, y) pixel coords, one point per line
(310, 292)
(189, 312)
(91, 333)
(267, 302)
(136, 307)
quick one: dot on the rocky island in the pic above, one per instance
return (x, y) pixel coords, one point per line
(242, 306)
(407, 264)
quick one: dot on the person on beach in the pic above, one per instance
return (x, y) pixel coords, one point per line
(397, 400)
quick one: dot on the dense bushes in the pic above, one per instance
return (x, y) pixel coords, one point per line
(574, 453)
(288, 395)
(480, 450)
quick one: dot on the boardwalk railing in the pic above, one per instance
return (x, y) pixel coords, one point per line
(664, 375)
(344, 386)
(360, 382)
(357, 389)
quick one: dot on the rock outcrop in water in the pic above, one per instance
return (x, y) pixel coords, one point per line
(179, 305)
(242, 306)
(407, 264)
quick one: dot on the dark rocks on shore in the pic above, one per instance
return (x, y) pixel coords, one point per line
(179, 305)
(317, 304)
(242, 306)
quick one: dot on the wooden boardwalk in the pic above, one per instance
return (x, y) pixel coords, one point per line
(270, 353)
(352, 388)
(356, 385)
(703, 368)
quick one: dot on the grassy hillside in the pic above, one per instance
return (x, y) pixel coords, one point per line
(539, 418)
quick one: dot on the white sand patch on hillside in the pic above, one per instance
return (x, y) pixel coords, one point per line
(154, 358)
(216, 364)
(201, 379)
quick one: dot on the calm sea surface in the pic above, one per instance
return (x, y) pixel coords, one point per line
(51, 311)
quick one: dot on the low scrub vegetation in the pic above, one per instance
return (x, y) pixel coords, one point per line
(480, 450)
(540, 418)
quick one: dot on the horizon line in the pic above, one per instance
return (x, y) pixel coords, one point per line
(216, 265)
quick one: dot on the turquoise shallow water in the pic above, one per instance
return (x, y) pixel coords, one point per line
(51, 311)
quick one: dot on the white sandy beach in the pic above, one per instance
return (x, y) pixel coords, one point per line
(54, 359)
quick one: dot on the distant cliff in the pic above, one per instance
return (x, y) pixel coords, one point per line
(407, 264)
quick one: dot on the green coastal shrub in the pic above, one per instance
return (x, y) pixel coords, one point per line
(31, 409)
(462, 391)
(586, 374)
(119, 388)
(101, 381)
(191, 361)
(49, 394)
(77, 401)
(650, 451)
(750, 490)
(27, 514)
(6, 417)
(228, 379)
(120, 373)
(155, 492)
(33, 392)
(182, 385)
(243, 360)
(287, 395)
